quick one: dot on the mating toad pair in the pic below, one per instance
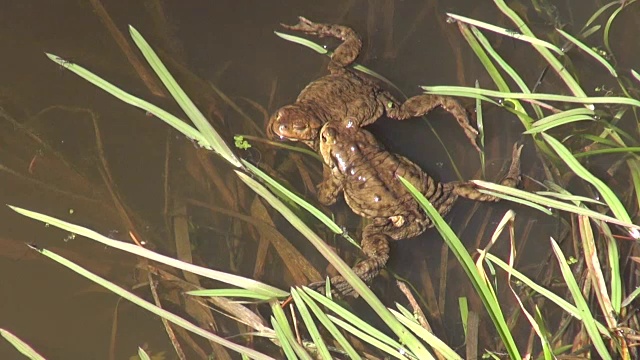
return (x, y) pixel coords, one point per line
(328, 116)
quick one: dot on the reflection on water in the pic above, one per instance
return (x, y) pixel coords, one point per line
(143, 178)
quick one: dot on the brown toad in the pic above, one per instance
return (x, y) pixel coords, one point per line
(367, 175)
(345, 93)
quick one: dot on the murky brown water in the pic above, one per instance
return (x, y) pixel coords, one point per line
(230, 43)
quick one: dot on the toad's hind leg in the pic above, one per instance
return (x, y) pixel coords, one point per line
(420, 105)
(469, 190)
(375, 246)
(345, 54)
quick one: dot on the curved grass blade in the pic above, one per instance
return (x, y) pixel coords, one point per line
(310, 325)
(151, 307)
(599, 284)
(558, 300)
(590, 52)
(296, 199)
(397, 353)
(373, 335)
(281, 319)
(326, 322)
(609, 197)
(480, 285)
(285, 344)
(473, 93)
(635, 75)
(20, 345)
(201, 123)
(358, 285)
(231, 279)
(555, 64)
(513, 74)
(507, 32)
(552, 203)
(143, 354)
(433, 341)
(186, 129)
(581, 304)
(230, 293)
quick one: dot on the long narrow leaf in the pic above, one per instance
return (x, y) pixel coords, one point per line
(207, 131)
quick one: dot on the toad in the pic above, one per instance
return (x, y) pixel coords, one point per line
(345, 93)
(367, 174)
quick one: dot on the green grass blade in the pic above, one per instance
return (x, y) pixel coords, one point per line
(609, 197)
(201, 123)
(143, 354)
(295, 198)
(482, 288)
(231, 293)
(583, 307)
(635, 75)
(507, 32)
(285, 329)
(552, 203)
(186, 129)
(433, 341)
(589, 52)
(151, 307)
(326, 322)
(286, 346)
(558, 300)
(397, 353)
(373, 334)
(555, 64)
(513, 74)
(310, 325)
(473, 93)
(20, 345)
(235, 280)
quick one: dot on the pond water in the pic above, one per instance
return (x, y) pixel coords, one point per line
(52, 163)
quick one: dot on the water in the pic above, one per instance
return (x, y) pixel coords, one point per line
(231, 44)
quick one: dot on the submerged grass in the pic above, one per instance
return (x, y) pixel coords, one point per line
(603, 294)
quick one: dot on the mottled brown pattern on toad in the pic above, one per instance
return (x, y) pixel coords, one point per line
(347, 94)
(367, 175)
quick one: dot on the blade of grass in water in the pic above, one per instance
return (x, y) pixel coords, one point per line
(609, 197)
(201, 123)
(473, 93)
(555, 64)
(186, 129)
(300, 201)
(433, 341)
(506, 32)
(231, 279)
(581, 304)
(559, 301)
(590, 52)
(286, 332)
(151, 307)
(20, 345)
(482, 288)
(310, 325)
(326, 322)
(552, 203)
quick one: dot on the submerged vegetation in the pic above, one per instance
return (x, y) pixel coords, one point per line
(582, 308)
